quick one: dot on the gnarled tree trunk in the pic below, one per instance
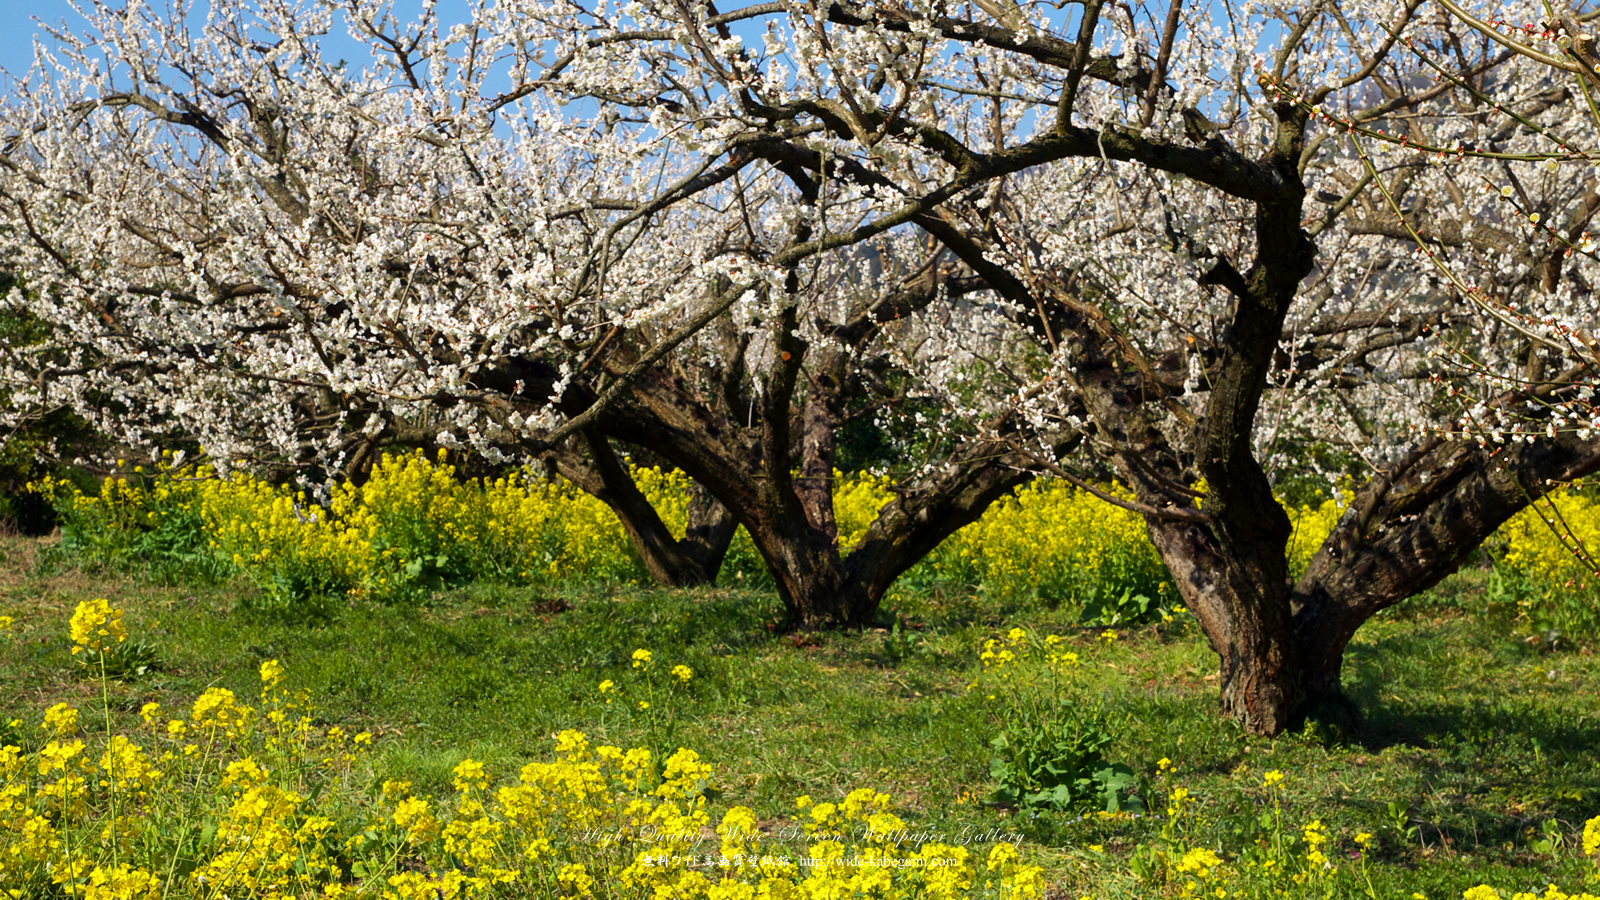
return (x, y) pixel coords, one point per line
(694, 559)
(768, 460)
(1244, 613)
(791, 521)
(1282, 646)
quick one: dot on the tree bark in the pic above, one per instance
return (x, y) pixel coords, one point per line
(694, 559)
(821, 585)
(1282, 647)
(1415, 524)
(1245, 616)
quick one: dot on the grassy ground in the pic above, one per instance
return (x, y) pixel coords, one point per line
(1475, 760)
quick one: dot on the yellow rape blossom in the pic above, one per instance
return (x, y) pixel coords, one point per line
(127, 763)
(56, 756)
(1003, 854)
(1199, 862)
(245, 773)
(1176, 801)
(219, 708)
(96, 625)
(575, 880)
(469, 775)
(121, 882)
(271, 674)
(1316, 838)
(413, 814)
(61, 720)
(684, 775)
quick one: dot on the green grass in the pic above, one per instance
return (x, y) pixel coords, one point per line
(1472, 739)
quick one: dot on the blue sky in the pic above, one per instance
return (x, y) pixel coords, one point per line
(17, 29)
(18, 26)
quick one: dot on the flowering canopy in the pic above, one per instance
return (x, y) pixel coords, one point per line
(244, 241)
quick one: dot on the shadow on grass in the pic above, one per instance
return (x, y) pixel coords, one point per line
(1505, 754)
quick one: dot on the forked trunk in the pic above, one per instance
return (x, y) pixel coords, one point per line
(694, 559)
(1245, 614)
(1281, 645)
(819, 588)
(822, 587)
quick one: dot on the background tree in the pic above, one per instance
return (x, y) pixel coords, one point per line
(1107, 243)
(35, 443)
